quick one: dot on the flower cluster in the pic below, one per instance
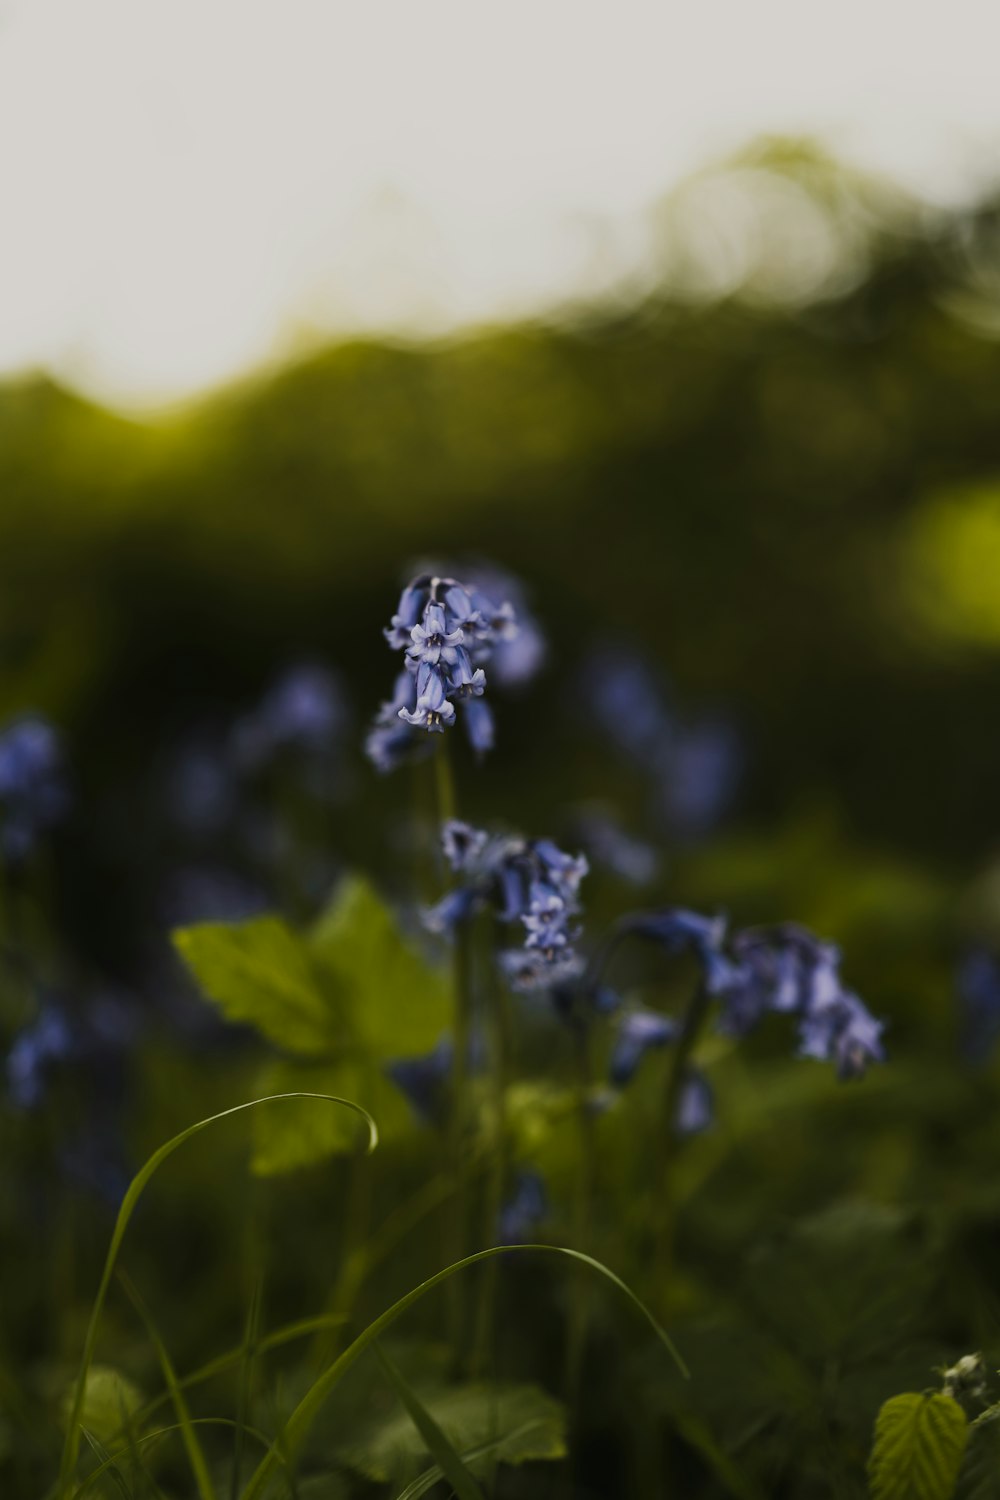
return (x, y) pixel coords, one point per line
(529, 881)
(33, 793)
(783, 969)
(448, 633)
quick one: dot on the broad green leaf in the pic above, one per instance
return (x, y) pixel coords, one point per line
(433, 1437)
(306, 1131)
(398, 1004)
(980, 1475)
(109, 1398)
(511, 1423)
(919, 1442)
(259, 972)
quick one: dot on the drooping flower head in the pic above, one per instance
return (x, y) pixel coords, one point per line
(448, 633)
(33, 792)
(527, 881)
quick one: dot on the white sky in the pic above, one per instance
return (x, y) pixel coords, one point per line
(186, 185)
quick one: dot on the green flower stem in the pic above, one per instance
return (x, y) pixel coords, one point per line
(692, 1024)
(583, 1199)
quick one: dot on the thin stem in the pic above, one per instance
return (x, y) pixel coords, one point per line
(692, 1022)
(583, 1196)
(493, 1198)
(462, 1027)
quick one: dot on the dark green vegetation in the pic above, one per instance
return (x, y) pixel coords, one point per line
(796, 513)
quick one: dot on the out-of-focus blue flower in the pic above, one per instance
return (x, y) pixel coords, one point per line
(681, 931)
(692, 765)
(463, 845)
(47, 1040)
(424, 1080)
(303, 712)
(524, 1210)
(608, 845)
(979, 1002)
(449, 633)
(638, 1031)
(841, 1030)
(700, 777)
(695, 1105)
(518, 645)
(33, 792)
(782, 968)
(390, 741)
(452, 910)
(200, 788)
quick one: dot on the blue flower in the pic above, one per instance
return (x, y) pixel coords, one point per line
(432, 710)
(46, 1041)
(695, 1104)
(448, 633)
(389, 742)
(624, 698)
(424, 1080)
(33, 793)
(302, 712)
(638, 1031)
(783, 969)
(700, 777)
(611, 847)
(841, 1030)
(524, 1210)
(679, 930)
(979, 1001)
(477, 719)
(453, 909)
(462, 844)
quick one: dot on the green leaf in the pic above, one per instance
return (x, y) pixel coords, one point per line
(980, 1475)
(259, 972)
(431, 1434)
(108, 1399)
(487, 1422)
(397, 1003)
(919, 1442)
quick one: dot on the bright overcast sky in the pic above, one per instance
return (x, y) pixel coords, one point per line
(187, 184)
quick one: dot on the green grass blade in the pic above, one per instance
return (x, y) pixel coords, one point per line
(109, 1465)
(155, 1435)
(250, 1344)
(429, 1478)
(196, 1457)
(438, 1446)
(71, 1446)
(302, 1417)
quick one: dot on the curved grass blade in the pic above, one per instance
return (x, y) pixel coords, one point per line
(438, 1446)
(429, 1478)
(302, 1417)
(71, 1446)
(196, 1457)
(159, 1432)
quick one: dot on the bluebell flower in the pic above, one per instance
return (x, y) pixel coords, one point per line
(47, 1040)
(695, 1104)
(679, 930)
(303, 711)
(453, 909)
(424, 1080)
(624, 699)
(391, 742)
(700, 776)
(463, 845)
(782, 968)
(518, 645)
(200, 788)
(608, 845)
(978, 984)
(33, 792)
(448, 632)
(524, 1210)
(638, 1031)
(432, 710)
(841, 1030)
(477, 720)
